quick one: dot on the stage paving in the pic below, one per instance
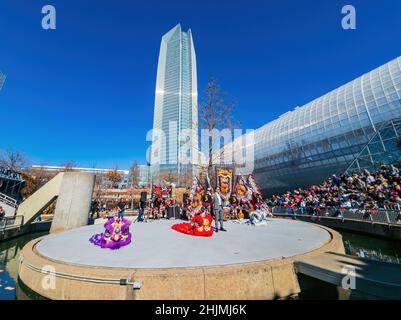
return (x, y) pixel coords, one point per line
(156, 245)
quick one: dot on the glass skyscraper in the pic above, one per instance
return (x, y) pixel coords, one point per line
(309, 144)
(175, 125)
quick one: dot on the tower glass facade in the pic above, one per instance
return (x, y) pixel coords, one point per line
(174, 137)
(323, 137)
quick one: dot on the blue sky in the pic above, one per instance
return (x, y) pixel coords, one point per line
(85, 91)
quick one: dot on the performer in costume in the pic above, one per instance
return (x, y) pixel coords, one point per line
(207, 201)
(234, 205)
(116, 234)
(200, 226)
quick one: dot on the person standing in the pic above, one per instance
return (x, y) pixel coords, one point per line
(234, 206)
(218, 209)
(2, 214)
(121, 208)
(207, 201)
(142, 205)
(95, 209)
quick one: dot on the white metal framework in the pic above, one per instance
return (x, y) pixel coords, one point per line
(323, 137)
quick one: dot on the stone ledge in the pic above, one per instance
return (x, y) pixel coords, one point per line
(271, 279)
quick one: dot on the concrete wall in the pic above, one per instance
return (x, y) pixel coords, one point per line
(270, 279)
(74, 201)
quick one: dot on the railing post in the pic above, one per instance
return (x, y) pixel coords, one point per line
(387, 217)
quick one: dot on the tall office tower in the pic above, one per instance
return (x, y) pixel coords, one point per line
(175, 128)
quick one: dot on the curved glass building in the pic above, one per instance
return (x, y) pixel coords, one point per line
(312, 142)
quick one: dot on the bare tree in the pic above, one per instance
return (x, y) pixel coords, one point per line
(13, 160)
(215, 113)
(185, 179)
(114, 177)
(134, 174)
(99, 179)
(35, 178)
(168, 178)
(68, 166)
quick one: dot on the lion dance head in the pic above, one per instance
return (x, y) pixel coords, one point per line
(116, 234)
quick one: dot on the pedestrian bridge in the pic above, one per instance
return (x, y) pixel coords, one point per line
(378, 279)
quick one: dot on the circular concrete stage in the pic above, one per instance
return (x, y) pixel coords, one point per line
(246, 262)
(156, 245)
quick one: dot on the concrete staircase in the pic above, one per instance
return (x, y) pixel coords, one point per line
(37, 202)
(9, 204)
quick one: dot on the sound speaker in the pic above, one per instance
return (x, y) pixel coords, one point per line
(177, 212)
(170, 212)
(144, 196)
(173, 212)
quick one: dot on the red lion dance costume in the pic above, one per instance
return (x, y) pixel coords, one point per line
(200, 226)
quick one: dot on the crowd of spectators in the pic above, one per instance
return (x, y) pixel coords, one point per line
(359, 191)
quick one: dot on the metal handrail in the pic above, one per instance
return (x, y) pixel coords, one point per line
(8, 200)
(11, 222)
(389, 217)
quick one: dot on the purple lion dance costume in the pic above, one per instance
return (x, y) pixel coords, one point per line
(116, 234)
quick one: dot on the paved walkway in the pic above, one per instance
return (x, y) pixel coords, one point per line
(156, 245)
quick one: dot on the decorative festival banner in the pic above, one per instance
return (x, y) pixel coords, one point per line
(166, 192)
(197, 192)
(253, 185)
(241, 188)
(161, 192)
(208, 184)
(225, 181)
(156, 191)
